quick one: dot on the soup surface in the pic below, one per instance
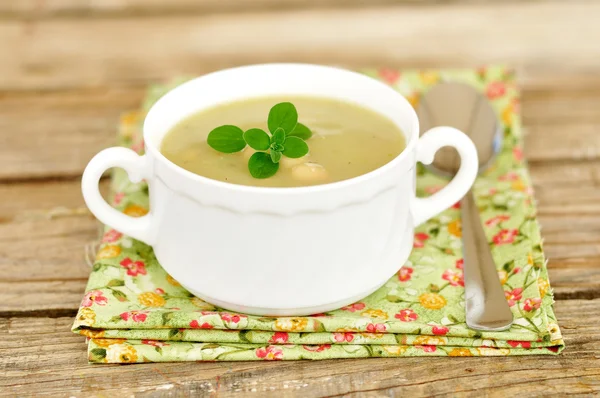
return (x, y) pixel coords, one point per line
(348, 140)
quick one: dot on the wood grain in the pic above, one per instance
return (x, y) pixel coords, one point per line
(69, 67)
(48, 354)
(537, 38)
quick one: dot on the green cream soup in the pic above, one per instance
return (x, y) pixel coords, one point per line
(348, 141)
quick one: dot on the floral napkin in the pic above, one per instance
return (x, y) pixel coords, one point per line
(133, 311)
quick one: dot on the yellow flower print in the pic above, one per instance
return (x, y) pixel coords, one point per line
(430, 340)
(413, 99)
(492, 352)
(108, 251)
(290, 324)
(554, 331)
(346, 330)
(85, 317)
(129, 124)
(429, 77)
(503, 276)
(172, 281)
(121, 353)
(460, 352)
(151, 299)
(395, 349)
(432, 301)
(518, 186)
(203, 305)
(92, 333)
(455, 228)
(378, 314)
(530, 259)
(507, 114)
(108, 342)
(135, 211)
(543, 285)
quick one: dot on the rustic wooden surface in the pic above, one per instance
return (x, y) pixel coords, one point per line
(69, 67)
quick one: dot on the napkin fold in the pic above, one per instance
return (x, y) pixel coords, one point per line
(133, 311)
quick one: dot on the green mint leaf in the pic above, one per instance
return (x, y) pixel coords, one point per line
(275, 156)
(283, 115)
(227, 139)
(301, 131)
(261, 165)
(278, 136)
(257, 139)
(295, 147)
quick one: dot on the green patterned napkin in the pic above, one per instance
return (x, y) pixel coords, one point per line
(133, 311)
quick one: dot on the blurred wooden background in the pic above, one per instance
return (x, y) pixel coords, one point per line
(68, 68)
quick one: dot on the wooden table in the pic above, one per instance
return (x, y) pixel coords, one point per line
(69, 67)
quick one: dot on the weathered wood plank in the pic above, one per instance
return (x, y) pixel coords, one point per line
(56, 134)
(534, 37)
(71, 126)
(46, 352)
(76, 8)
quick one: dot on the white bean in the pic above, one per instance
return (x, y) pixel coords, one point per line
(309, 172)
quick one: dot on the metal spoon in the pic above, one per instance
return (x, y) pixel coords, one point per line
(461, 106)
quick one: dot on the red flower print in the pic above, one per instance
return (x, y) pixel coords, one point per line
(343, 337)
(492, 222)
(405, 274)
(420, 239)
(518, 154)
(233, 318)
(492, 191)
(433, 189)
(136, 316)
(195, 325)
(317, 348)
(495, 90)
(354, 307)
(505, 236)
(454, 278)
(510, 176)
(269, 353)
(93, 296)
(390, 76)
(154, 343)
(111, 236)
(279, 338)
(515, 343)
(532, 304)
(376, 327)
(516, 270)
(158, 290)
(208, 312)
(406, 315)
(513, 296)
(553, 349)
(138, 146)
(460, 263)
(427, 348)
(456, 205)
(134, 268)
(440, 330)
(118, 197)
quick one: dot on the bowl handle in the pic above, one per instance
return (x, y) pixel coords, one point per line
(139, 228)
(434, 139)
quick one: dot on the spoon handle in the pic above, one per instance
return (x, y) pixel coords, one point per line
(486, 305)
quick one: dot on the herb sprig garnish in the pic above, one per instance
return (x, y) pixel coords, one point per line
(286, 139)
